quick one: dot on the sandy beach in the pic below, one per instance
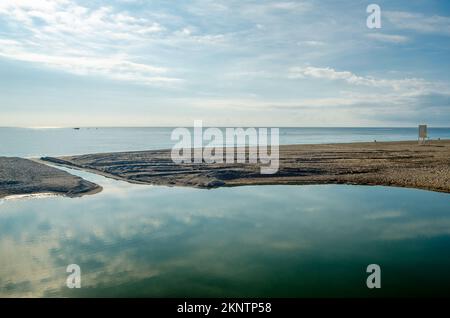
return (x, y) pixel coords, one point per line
(401, 164)
(20, 176)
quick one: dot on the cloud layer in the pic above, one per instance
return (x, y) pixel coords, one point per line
(300, 62)
(64, 35)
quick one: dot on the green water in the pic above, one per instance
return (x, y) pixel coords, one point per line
(275, 241)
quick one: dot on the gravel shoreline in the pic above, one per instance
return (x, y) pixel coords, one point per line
(19, 176)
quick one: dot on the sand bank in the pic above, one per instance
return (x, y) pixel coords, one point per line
(403, 164)
(21, 177)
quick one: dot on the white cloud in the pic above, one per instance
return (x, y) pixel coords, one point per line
(407, 86)
(248, 9)
(289, 5)
(311, 43)
(390, 38)
(87, 41)
(331, 74)
(419, 22)
(341, 100)
(68, 18)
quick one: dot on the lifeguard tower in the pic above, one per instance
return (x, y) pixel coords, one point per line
(423, 135)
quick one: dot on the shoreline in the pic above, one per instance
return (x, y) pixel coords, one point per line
(397, 163)
(23, 178)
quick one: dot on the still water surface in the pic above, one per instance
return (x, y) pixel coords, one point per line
(290, 241)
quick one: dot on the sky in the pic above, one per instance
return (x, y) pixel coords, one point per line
(66, 63)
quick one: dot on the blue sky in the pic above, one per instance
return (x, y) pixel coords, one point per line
(228, 63)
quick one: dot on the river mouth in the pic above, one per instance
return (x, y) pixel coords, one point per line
(254, 241)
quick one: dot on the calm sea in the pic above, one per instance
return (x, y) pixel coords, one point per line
(53, 142)
(268, 241)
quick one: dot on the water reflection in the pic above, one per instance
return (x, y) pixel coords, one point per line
(133, 240)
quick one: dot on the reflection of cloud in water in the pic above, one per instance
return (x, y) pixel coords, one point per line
(33, 196)
(31, 271)
(289, 245)
(388, 214)
(414, 229)
(27, 266)
(166, 239)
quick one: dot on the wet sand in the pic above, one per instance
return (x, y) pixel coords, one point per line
(402, 164)
(20, 177)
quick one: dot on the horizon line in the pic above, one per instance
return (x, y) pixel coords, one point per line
(206, 126)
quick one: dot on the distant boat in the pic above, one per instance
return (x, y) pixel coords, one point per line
(77, 128)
